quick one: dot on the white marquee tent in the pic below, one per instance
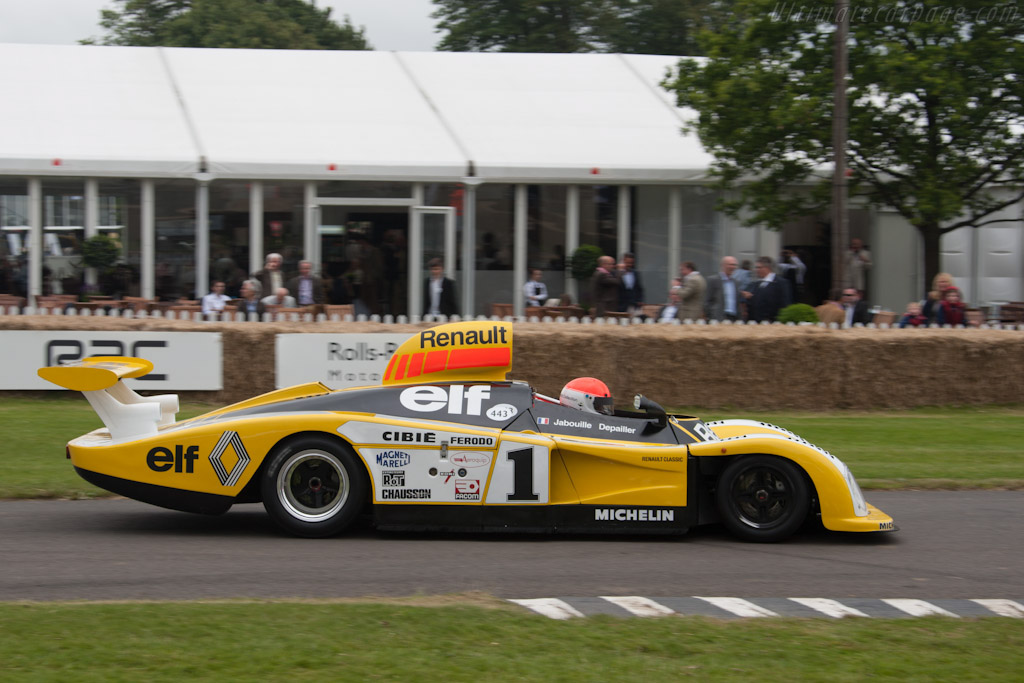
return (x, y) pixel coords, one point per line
(160, 112)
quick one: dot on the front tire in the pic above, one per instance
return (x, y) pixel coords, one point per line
(763, 498)
(314, 487)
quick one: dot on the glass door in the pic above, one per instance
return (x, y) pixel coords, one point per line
(431, 236)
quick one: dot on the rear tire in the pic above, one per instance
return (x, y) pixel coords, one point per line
(763, 498)
(314, 487)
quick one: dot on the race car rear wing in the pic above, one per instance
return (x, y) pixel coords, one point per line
(126, 414)
(469, 351)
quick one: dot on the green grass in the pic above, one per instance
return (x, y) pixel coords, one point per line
(927, 448)
(972, 447)
(276, 641)
(35, 432)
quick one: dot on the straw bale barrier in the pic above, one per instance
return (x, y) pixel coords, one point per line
(748, 367)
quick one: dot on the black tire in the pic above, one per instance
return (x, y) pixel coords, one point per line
(314, 486)
(763, 498)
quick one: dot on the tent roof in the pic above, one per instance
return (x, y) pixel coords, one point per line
(129, 111)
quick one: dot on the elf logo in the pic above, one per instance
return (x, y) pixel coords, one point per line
(182, 460)
(456, 399)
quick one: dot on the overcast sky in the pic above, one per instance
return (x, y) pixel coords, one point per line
(389, 24)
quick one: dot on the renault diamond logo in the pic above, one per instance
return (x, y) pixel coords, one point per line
(229, 478)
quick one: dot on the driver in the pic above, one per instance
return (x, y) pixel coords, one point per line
(588, 394)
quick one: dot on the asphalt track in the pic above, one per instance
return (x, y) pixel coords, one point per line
(964, 544)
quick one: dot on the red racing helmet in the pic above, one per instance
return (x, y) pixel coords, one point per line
(588, 394)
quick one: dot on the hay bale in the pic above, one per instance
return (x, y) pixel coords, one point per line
(704, 366)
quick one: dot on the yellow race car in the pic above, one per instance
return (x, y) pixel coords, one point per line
(447, 443)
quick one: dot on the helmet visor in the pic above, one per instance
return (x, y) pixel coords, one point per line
(604, 405)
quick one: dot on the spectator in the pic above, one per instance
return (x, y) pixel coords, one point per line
(166, 285)
(742, 274)
(439, 291)
(535, 292)
(336, 285)
(631, 290)
(930, 306)
(355, 283)
(670, 311)
(604, 286)
(858, 262)
(280, 298)
(767, 294)
(306, 289)
(270, 278)
(372, 262)
(250, 303)
(913, 317)
(952, 311)
(214, 302)
(691, 293)
(722, 301)
(855, 310)
(794, 270)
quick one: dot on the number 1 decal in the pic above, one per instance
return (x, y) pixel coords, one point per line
(520, 475)
(522, 480)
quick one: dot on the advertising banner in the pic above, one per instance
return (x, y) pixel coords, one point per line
(181, 360)
(339, 361)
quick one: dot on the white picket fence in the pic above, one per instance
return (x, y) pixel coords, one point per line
(401, 320)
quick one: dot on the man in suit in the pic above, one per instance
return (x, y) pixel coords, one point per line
(271, 278)
(631, 290)
(604, 286)
(306, 289)
(855, 309)
(439, 292)
(691, 292)
(724, 292)
(767, 294)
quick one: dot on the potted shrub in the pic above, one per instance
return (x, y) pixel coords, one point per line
(582, 265)
(797, 313)
(99, 252)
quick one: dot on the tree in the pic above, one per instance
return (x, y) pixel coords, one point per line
(936, 111)
(658, 27)
(277, 24)
(516, 25)
(629, 26)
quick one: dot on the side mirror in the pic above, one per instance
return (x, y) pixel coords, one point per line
(660, 418)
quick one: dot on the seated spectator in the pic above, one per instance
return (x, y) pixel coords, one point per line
(535, 292)
(280, 298)
(214, 302)
(250, 303)
(951, 311)
(913, 317)
(930, 306)
(854, 308)
(670, 311)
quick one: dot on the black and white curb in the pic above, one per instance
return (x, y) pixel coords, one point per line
(734, 608)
